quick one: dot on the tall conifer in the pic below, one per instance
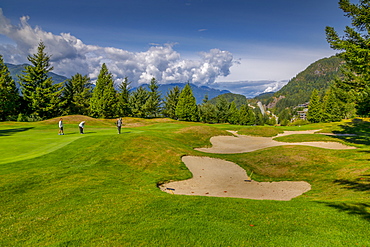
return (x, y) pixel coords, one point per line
(103, 102)
(9, 97)
(186, 108)
(42, 97)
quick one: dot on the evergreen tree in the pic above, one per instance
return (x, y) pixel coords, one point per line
(9, 97)
(356, 52)
(330, 109)
(314, 114)
(207, 111)
(246, 115)
(153, 104)
(233, 116)
(77, 94)
(137, 102)
(186, 108)
(123, 98)
(170, 102)
(103, 103)
(222, 109)
(258, 116)
(42, 97)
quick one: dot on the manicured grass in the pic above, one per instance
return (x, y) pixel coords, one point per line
(100, 189)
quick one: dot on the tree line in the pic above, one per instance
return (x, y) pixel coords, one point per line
(38, 98)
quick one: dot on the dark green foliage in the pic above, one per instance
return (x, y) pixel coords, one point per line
(103, 102)
(246, 115)
(331, 111)
(124, 108)
(153, 104)
(233, 114)
(170, 102)
(207, 111)
(238, 99)
(314, 114)
(186, 108)
(260, 120)
(41, 96)
(77, 93)
(355, 50)
(137, 100)
(9, 97)
(222, 109)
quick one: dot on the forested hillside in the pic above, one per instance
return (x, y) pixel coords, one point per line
(230, 97)
(318, 75)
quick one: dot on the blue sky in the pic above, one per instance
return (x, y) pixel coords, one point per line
(230, 44)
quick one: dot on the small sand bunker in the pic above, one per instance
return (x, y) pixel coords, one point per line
(244, 144)
(220, 178)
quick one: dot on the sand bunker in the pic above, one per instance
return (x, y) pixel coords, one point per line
(244, 144)
(220, 178)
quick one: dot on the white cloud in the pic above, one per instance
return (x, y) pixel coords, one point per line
(70, 55)
(251, 88)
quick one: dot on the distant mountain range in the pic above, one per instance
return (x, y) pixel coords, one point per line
(198, 92)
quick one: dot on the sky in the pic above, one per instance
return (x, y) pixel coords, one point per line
(245, 46)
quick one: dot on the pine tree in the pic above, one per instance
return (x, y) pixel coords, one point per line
(137, 101)
(170, 102)
(123, 98)
(233, 116)
(356, 52)
(186, 108)
(103, 102)
(42, 97)
(222, 109)
(153, 104)
(9, 96)
(77, 94)
(246, 115)
(330, 109)
(314, 114)
(207, 111)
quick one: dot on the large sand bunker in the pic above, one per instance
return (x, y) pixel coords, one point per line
(244, 144)
(220, 178)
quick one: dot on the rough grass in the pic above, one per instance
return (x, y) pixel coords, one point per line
(100, 189)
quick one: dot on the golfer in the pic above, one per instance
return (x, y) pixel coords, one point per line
(119, 125)
(81, 126)
(60, 132)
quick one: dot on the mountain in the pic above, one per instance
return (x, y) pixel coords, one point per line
(319, 75)
(198, 92)
(18, 69)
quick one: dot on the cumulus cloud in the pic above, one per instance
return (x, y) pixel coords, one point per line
(69, 55)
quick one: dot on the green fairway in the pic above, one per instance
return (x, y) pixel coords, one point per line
(100, 188)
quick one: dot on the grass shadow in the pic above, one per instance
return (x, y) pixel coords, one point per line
(9, 132)
(361, 184)
(359, 127)
(359, 209)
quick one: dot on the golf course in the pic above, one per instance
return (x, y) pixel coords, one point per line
(101, 188)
